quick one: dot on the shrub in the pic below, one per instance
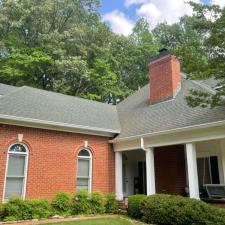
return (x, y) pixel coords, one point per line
(14, 209)
(111, 205)
(81, 203)
(18, 209)
(97, 203)
(61, 204)
(40, 208)
(0, 211)
(177, 210)
(134, 202)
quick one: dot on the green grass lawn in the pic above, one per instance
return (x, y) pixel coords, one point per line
(100, 221)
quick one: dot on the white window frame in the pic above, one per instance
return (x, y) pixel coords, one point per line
(89, 158)
(26, 154)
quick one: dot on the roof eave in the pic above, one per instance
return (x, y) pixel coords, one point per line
(58, 126)
(171, 131)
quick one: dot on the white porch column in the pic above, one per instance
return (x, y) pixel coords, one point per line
(150, 171)
(192, 170)
(119, 175)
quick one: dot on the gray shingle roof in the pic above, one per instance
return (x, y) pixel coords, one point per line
(138, 117)
(5, 89)
(133, 116)
(43, 105)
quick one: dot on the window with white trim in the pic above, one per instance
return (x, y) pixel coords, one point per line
(84, 170)
(16, 171)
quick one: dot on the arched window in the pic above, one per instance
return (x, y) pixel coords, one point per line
(84, 170)
(16, 171)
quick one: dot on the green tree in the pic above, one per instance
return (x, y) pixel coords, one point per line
(211, 22)
(65, 47)
(183, 40)
(28, 66)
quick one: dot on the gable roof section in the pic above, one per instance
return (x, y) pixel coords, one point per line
(35, 105)
(137, 117)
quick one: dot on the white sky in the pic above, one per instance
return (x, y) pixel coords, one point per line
(155, 11)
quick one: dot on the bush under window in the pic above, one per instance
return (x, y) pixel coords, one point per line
(61, 204)
(18, 209)
(82, 202)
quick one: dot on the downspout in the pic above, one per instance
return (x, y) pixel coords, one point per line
(143, 145)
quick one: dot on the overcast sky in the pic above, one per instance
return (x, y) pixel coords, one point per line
(121, 15)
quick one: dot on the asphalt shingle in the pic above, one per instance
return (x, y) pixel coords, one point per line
(133, 116)
(43, 105)
(5, 89)
(138, 117)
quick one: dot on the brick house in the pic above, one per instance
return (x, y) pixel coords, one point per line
(151, 142)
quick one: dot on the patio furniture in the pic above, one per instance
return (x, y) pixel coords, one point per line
(215, 190)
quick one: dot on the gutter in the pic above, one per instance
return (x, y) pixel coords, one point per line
(8, 118)
(175, 130)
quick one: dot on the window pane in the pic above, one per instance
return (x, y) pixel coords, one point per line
(14, 186)
(16, 165)
(207, 175)
(17, 148)
(204, 176)
(82, 183)
(214, 170)
(84, 152)
(83, 168)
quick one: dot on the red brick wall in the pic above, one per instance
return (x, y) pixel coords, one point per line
(52, 160)
(164, 76)
(170, 172)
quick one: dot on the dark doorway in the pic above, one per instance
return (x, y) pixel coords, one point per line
(142, 177)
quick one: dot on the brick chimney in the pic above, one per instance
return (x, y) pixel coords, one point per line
(164, 76)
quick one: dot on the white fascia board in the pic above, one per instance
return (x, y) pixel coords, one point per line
(182, 137)
(176, 130)
(51, 125)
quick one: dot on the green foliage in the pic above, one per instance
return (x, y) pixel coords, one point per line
(134, 203)
(97, 203)
(1, 210)
(81, 203)
(28, 66)
(177, 210)
(84, 202)
(211, 23)
(111, 205)
(61, 204)
(64, 46)
(18, 209)
(39, 208)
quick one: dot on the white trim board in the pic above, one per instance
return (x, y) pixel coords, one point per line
(182, 137)
(50, 125)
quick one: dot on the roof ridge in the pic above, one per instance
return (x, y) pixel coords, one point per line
(132, 94)
(11, 92)
(70, 96)
(204, 86)
(9, 85)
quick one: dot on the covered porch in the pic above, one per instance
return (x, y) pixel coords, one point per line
(180, 169)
